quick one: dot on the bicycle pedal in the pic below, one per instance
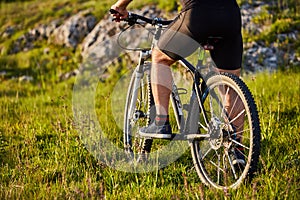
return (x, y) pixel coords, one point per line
(139, 114)
(180, 136)
(175, 136)
(197, 136)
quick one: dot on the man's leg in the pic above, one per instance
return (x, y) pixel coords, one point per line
(232, 103)
(234, 107)
(161, 83)
(161, 80)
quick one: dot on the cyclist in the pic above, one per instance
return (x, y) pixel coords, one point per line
(198, 20)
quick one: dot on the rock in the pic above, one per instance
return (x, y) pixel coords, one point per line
(44, 31)
(102, 45)
(97, 42)
(26, 41)
(248, 11)
(70, 33)
(74, 30)
(9, 31)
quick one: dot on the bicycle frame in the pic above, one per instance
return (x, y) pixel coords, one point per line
(223, 154)
(198, 94)
(198, 82)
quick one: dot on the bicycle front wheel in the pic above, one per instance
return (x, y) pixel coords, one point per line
(139, 112)
(230, 154)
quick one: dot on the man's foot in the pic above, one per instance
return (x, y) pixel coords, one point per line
(155, 131)
(238, 158)
(237, 154)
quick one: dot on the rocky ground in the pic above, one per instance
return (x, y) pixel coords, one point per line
(83, 33)
(257, 55)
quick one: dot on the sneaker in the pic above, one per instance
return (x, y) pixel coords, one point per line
(155, 131)
(237, 154)
(238, 158)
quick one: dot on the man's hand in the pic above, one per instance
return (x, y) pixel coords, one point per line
(121, 12)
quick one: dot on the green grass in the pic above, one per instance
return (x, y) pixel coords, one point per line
(43, 157)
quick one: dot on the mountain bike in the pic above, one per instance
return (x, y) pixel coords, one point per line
(203, 121)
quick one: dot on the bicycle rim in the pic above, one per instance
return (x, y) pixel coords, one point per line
(214, 157)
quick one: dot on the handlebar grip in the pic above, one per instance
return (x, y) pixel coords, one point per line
(112, 11)
(132, 18)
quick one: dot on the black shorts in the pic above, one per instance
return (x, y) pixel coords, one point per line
(194, 26)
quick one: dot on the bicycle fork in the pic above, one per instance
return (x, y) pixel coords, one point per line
(139, 74)
(134, 114)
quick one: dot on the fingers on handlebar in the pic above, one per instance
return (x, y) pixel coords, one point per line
(113, 11)
(118, 16)
(131, 18)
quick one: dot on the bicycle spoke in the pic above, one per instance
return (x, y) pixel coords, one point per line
(234, 106)
(242, 112)
(219, 169)
(240, 144)
(211, 106)
(246, 157)
(231, 166)
(217, 165)
(242, 132)
(224, 99)
(206, 153)
(202, 126)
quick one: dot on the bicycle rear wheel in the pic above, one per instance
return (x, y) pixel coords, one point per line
(139, 112)
(219, 158)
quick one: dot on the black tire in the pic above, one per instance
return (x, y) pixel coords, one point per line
(212, 156)
(141, 115)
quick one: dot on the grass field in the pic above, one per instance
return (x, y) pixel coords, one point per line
(43, 157)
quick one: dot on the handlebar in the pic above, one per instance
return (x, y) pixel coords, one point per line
(133, 19)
